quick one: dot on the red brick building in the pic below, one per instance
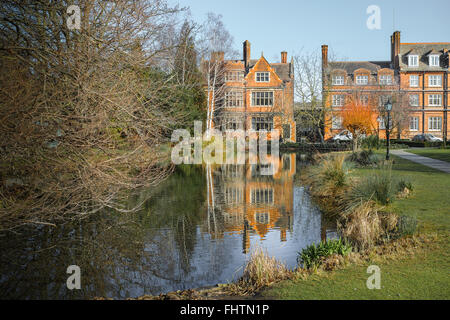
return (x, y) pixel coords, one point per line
(251, 94)
(417, 71)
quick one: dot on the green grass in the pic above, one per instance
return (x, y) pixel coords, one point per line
(424, 275)
(439, 154)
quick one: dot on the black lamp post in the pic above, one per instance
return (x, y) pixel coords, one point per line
(388, 107)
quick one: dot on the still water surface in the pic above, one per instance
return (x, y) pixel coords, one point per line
(197, 229)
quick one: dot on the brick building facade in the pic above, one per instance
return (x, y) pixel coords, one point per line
(251, 94)
(417, 71)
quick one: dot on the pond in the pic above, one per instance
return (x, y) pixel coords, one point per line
(197, 229)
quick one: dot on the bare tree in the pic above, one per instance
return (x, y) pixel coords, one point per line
(215, 44)
(401, 110)
(310, 111)
(83, 112)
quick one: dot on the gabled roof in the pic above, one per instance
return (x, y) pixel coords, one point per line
(281, 69)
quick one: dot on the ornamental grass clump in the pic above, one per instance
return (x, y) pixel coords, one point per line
(378, 187)
(366, 225)
(329, 182)
(262, 270)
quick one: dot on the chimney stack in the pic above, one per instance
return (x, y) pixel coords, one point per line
(247, 53)
(324, 57)
(395, 48)
(284, 57)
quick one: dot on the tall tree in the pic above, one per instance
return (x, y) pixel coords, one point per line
(215, 44)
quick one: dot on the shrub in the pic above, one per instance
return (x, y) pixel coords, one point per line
(378, 187)
(363, 158)
(371, 142)
(313, 255)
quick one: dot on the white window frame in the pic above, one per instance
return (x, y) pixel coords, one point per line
(338, 98)
(413, 60)
(415, 99)
(386, 79)
(234, 99)
(384, 99)
(382, 123)
(264, 121)
(432, 98)
(336, 122)
(262, 75)
(270, 98)
(434, 80)
(434, 123)
(234, 76)
(414, 83)
(433, 60)
(364, 100)
(359, 79)
(337, 80)
(414, 124)
(232, 124)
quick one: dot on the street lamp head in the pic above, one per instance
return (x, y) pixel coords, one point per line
(388, 106)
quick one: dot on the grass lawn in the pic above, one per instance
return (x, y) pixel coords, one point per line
(424, 275)
(439, 154)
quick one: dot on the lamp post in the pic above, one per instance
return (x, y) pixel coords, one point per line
(388, 107)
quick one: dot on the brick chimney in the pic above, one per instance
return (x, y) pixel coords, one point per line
(324, 57)
(284, 57)
(395, 49)
(247, 55)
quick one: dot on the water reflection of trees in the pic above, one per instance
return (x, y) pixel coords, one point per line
(120, 254)
(178, 239)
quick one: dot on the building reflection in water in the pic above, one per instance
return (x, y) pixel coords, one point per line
(195, 231)
(251, 198)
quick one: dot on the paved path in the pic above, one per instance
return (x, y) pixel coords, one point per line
(432, 163)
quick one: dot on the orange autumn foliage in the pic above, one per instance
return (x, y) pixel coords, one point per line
(358, 118)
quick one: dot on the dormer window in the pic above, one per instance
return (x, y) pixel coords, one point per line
(385, 79)
(362, 80)
(262, 76)
(338, 80)
(433, 60)
(413, 61)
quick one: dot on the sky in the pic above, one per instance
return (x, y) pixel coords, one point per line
(298, 25)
